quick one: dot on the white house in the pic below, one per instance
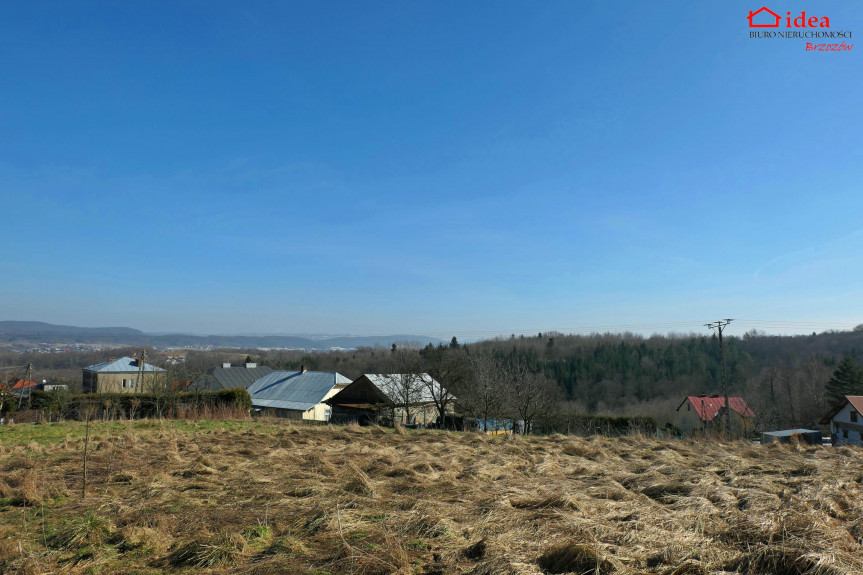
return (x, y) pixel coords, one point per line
(846, 423)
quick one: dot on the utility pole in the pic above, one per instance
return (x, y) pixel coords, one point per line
(140, 383)
(24, 385)
(718, 326)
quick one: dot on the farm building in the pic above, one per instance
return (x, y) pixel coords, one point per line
(231, 376)
(810, 436)
(700, 413)
(297, 394)
(846, 425)
(123, 375)
(361, 401)
(412, 395)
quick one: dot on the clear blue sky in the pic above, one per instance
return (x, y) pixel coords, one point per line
(426, 167)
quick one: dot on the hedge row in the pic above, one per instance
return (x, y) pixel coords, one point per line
(128, 405)
(584, 424)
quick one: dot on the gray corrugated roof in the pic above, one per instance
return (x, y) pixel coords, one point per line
(789, 432)
(122, 365)
(237, 376)
(394, 384)
(296, 390)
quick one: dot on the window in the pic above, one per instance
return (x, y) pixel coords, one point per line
(845, 434)
(853, 415)
(132, 383)
(124, 384)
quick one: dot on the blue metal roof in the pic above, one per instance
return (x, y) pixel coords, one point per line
(295, 390)
(122, 365)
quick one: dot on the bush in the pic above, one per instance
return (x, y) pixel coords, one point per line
(138, 405)
(584, 424)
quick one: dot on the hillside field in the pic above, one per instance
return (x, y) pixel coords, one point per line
(274, 497)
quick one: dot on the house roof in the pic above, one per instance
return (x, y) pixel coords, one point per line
(22, 384)
(22, 387)
(122, 365)
(294, 390)
(708, 406)
(856, 402)
(361, 394)
(231, 377)
(394, 385)
(790, 432)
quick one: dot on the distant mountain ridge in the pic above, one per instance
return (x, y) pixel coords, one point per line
(41, 332)
(41, 327)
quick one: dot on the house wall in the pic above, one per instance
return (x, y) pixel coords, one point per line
(843, 430)
(283, 413)
(322, 411)
(420, 414)
(95, 382)
(686, 419)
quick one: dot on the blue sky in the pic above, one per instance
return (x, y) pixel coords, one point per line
(427, 167)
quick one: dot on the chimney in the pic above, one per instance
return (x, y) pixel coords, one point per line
(251, 365)
(303, 369)
(226, 365)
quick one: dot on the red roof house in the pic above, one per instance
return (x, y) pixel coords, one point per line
(703, 411)
(23, 385)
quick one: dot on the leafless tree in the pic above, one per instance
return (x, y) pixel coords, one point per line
(482, 395)
(446, 369)
(404, 382)
(530, 395)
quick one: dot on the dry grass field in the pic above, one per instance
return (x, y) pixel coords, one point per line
(269, 497)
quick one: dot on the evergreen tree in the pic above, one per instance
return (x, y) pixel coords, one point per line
(846, 380)
(453, 343)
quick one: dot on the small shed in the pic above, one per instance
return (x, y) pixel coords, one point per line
(810, 436)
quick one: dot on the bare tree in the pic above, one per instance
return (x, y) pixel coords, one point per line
(482, 395)
(404, 383)
(445, 372)
(530, 395)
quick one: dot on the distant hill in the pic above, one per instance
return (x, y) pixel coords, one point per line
(40, 332)
(21, 328)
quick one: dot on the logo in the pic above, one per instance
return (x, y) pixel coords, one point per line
(764, 17)
(800, 26)
(770, 14)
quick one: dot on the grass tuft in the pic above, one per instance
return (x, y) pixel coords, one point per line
(224, 549)
(574, 558)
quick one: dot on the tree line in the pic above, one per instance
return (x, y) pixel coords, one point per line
(785, 379)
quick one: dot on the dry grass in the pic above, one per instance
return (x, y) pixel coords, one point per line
(267, 497)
